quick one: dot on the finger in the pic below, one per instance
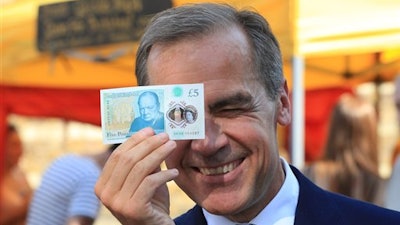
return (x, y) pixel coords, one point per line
(117, 154)
(143, 203)
(128, 159)
(148, 165)
(129, 143)
(137, 138)
(137, 153)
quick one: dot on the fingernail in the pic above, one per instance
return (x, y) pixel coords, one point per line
(175, 171)
(163, 136)
(148, 130)
(171, 144)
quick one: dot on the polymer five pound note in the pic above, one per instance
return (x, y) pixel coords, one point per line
(175, 109)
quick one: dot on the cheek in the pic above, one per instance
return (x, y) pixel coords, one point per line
(171, 161)
(175, 159)
(253, 131)
(257, 136)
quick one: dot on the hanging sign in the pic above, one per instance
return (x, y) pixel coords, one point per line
(94, 22)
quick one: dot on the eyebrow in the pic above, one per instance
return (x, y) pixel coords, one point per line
(238, 98)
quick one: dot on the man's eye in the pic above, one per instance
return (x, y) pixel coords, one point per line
(230, 112)
(232, 109)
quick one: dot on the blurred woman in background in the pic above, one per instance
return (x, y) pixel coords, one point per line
(350, 163)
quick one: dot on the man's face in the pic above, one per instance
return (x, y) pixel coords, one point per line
(148, 107)
(235, 170)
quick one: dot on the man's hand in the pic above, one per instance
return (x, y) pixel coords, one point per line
(132, 185)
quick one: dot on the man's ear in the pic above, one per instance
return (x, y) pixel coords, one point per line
(284, 107)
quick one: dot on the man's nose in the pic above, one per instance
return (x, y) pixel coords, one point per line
(145, 111)
(214, 140)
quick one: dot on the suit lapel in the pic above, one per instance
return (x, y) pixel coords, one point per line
(194, 216)
(314, 205)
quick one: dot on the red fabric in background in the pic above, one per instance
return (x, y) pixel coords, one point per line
(318, 106)
(317, 110)
(71, 104)
(3, 130)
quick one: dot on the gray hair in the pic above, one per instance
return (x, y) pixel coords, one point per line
(198, 20)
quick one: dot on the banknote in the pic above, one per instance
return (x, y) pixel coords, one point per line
(175, 109)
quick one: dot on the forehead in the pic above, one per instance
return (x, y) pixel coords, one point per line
(147, 98)
(220, 55)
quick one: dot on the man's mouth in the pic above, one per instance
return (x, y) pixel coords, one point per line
(220, 169)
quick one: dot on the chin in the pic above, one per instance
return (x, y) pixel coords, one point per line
(224, 204)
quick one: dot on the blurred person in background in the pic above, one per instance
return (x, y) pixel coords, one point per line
(392, 198)
(15, 190)
(66, 193)
(350, 164)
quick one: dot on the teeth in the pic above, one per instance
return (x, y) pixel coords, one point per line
(219, 170)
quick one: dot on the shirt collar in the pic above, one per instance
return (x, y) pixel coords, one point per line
(280, 211)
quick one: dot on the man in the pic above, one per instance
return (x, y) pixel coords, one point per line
(65, 195)
(235, 174)
(150, 115)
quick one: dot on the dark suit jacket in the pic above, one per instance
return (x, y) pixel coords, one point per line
(319, 207)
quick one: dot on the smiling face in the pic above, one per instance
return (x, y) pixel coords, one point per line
(235, 171)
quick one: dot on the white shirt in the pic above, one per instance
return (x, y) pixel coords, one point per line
(280, 211)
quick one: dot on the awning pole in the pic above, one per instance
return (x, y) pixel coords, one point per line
(297, 133)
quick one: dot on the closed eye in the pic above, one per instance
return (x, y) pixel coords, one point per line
(234, 105)
(232, 112)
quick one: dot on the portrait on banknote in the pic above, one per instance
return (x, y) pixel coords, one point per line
(190, 114)
(149, 114)
(176, 114)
